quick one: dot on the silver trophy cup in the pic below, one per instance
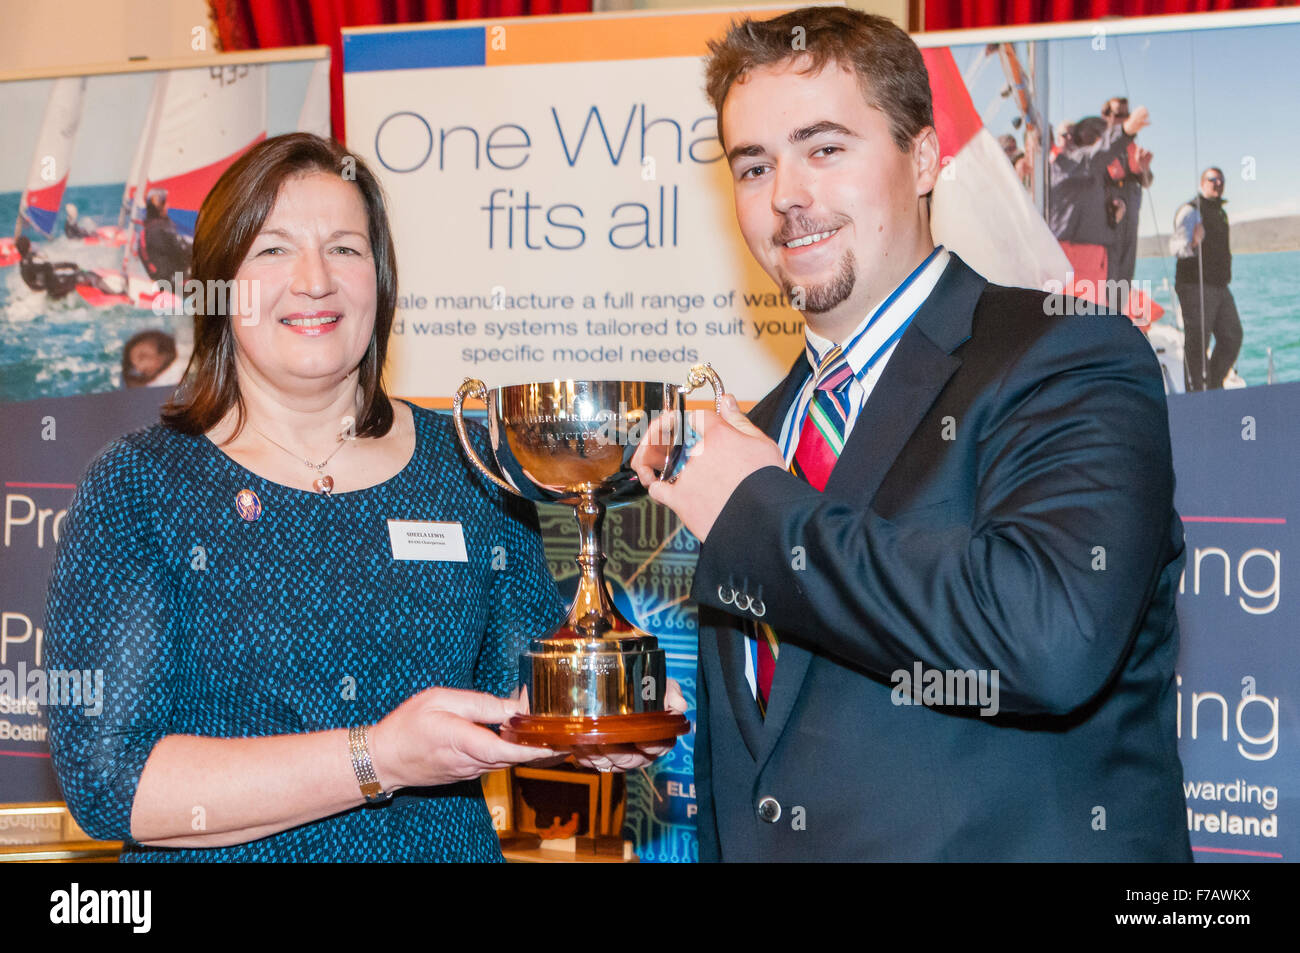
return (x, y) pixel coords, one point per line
(596, 679)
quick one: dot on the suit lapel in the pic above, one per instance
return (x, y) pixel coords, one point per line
(769, 413)
(917, 371)
(730, 648)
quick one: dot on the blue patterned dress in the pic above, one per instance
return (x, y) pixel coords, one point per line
(208, 624)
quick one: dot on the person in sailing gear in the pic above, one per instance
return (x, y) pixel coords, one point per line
(1126, 178)
(1077, 214)
(1016, 156)
(74, 226)
(1200, 242)
(55, 278)
(164, 252)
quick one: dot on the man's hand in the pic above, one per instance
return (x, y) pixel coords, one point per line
(651, 455)
(730, 448)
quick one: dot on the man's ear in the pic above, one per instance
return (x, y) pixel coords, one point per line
(925, 159)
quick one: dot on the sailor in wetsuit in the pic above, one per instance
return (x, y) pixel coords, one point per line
(56, 278)
(75, 227)
(163, 251)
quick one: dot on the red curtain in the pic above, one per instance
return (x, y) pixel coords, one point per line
(264, 24)
(958, 14)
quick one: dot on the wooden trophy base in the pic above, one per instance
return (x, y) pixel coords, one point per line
(563, 732)
(520, 840)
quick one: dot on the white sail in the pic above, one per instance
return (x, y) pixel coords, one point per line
(132, 200)
(209, 117)
(52, 157)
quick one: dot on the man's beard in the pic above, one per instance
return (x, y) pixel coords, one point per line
(818, 299)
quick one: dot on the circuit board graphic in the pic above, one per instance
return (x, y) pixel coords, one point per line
(650, 562)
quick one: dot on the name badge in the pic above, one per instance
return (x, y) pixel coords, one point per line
(428, 540)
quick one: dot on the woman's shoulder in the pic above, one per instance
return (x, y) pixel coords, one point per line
(145, 448)
(441, 450)
(422, 417)
(135, 463)
(437, 434)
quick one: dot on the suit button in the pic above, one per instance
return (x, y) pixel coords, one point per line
(769, 809)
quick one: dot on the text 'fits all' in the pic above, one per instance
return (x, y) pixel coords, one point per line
(526, 225)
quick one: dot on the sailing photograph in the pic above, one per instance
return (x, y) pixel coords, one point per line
(1197, 212)
(102, 183)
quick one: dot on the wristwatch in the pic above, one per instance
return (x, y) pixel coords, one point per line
(358, 744)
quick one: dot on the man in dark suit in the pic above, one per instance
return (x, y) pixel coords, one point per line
(939, 560)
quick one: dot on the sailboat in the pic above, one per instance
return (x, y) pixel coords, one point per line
(199, 122)
(47, 179)
(52, 157)
(983, 211)
(980, 208)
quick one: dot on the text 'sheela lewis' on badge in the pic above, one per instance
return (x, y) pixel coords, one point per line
(425, 539)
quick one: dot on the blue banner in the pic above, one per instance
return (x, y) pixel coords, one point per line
(1236, 455)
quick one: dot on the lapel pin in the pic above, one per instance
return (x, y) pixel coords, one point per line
(248, 505)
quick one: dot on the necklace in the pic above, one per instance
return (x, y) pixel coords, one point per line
(324, 483)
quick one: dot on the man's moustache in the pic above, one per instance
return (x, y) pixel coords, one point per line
(790, 234)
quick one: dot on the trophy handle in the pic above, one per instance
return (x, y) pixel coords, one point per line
(697, 377)
(478, 390)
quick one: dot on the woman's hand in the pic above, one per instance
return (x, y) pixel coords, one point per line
(631, 757)
(437, 737)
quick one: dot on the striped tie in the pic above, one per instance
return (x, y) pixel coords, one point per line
(822, 437)
(821, 440)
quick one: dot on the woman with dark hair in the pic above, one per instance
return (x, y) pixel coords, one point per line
(272, 578)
